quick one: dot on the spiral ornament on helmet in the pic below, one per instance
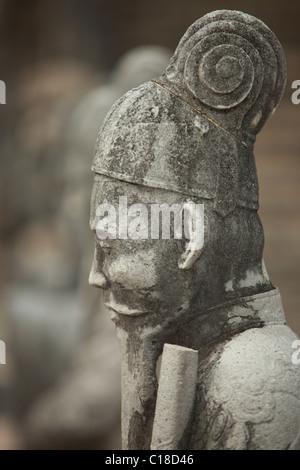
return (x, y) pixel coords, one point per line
(229, 59)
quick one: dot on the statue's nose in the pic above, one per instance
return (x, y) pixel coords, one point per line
(98, 279)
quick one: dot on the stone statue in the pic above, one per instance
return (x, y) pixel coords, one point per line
(185, 139)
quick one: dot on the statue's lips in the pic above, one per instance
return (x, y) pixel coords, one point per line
(111, 304)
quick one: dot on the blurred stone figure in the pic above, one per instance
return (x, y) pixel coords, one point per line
(41, 270)
(82, 409)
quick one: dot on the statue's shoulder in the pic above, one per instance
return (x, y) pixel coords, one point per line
(251, 397)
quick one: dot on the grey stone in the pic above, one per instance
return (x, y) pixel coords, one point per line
(177, 381)
(187, 137)
(135, 67)
(82, 406)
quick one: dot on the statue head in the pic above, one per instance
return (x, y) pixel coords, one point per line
(138, 65)
(185, 141)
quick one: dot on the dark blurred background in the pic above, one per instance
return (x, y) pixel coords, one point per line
(52, 54)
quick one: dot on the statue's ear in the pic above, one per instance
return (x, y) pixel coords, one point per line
(196, 233)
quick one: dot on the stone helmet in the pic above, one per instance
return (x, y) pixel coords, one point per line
(192, 129)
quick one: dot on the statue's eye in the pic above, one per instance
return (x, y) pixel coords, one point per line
(102, 247)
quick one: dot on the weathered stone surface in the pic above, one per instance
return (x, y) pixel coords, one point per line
(135, 67)
(82, 406)
(188, 136)
(177, 380)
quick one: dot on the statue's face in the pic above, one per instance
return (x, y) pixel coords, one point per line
(139, 276)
